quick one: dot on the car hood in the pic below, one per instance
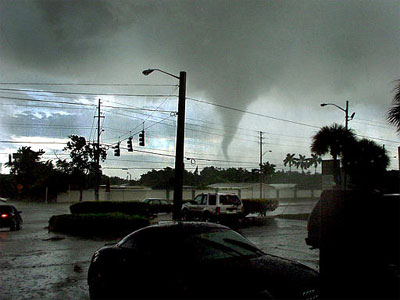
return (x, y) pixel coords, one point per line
(284, 277)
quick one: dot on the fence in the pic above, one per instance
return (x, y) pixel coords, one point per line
(129, 194)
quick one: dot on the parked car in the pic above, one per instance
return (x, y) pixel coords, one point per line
(195, 260)
(313, 227)
(358, 234)
(10, 217)
(212, 207)
(157, 205)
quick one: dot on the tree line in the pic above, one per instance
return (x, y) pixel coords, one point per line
(32, 177)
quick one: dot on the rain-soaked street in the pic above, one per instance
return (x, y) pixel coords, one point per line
(36, 264)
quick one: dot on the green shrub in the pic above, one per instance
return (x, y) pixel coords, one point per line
(96, 207)
(97, 225)
(259, 205)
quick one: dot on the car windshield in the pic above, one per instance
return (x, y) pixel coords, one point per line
(220, 244)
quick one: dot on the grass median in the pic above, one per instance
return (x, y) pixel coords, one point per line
(97, 225)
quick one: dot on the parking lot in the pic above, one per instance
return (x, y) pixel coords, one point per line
(36, 264)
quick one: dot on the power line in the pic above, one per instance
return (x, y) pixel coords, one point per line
(89, 94)
(28, 142)
(223, 106)
(252, 113)
(84, 104)
(44, 106)
(86, 84)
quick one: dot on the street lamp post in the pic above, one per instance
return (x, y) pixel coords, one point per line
(346, 125)
(180, 142)
(345, 110)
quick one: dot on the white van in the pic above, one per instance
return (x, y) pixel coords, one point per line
(213, 206)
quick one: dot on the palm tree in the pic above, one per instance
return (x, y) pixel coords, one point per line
(302, 162)
(366, 164)
(334, 140)
(315, 160)
(289, 160)
(393, 115)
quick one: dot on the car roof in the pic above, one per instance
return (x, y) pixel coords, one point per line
(171, 226)
(176, 228)
(6, 205)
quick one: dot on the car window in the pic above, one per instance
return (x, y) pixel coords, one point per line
(164, 202)
(220, 244)
(229, 200)
(204, 200)
(198, 199)
(154, 202)
(156, 243)
(212, 199)
(128, 242)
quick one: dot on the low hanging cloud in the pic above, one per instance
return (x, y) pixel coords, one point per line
(234, 51)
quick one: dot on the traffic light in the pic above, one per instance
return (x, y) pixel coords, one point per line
(116, 150)
(130, 148)
(141, 138)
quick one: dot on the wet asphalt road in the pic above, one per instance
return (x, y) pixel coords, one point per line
(36, 264)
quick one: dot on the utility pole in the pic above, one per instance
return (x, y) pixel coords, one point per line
(346, 125)
(346, 111)
(97, 154)
(180, 142)
(261, 153)
(398, 157)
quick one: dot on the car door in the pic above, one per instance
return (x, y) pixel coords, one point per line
(165, 206)
(196, 206)
(155, 206)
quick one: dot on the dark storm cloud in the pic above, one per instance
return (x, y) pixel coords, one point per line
(234, 51)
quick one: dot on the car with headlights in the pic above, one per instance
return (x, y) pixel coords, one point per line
(10, 217)
(195, 260)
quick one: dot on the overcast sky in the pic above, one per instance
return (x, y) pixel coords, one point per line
(277, 60)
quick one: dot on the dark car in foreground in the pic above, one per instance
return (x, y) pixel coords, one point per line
(10, 217)
(195, 260)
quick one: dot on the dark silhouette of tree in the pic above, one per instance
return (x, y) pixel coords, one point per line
(365, 163)
(333, 140)
(82, 161)
(32, 175)
(394, 111)
(302, 163)
(314, 161)
(289, 160)
(267, 169)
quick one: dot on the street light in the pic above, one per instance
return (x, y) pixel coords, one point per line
(345, 110)
(180, 140)
(347, 119)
